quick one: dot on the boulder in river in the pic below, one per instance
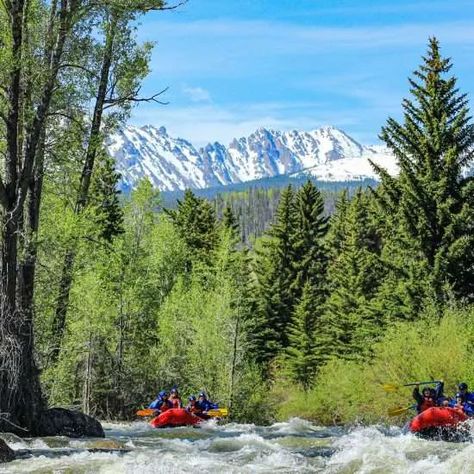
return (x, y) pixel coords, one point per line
(6, 453)
(74, 424)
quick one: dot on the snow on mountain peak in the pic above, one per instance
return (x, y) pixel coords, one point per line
(174, 163)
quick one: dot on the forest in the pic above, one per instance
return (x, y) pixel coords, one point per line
(295, 309)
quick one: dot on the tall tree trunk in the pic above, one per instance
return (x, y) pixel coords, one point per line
(20, 393)
(95, 141)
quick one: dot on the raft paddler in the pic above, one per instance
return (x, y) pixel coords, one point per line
(428, 397)
(161, 403)
(175, 399)
(205, 404)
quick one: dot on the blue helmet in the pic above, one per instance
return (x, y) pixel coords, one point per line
(192, 398)
(462, 386)
(174, 390)
(162, 394)
(203, 394)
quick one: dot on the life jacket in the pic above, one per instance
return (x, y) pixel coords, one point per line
(193, 409)
(166, 405)
(175, 402)
(426, 403)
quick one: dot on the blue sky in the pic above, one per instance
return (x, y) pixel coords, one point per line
(234, 66)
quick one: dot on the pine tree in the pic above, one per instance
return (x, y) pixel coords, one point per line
(310, 256)
(354, 278)
(107, 211)
(274, 269)
(337, 225)
(430, 205)
(305, 351)
(229, 221)
(196, 223)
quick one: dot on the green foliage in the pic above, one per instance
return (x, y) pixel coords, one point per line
(350, 391)
(307, 241)
(429, 206)
(275, 274)
(355, 274)
(105, 200)
(196, 223)
(306, 350)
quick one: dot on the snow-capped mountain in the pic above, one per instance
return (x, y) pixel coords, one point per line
(171, 164)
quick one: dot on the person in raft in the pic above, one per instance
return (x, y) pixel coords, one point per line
(175, 399)
(205, 404)
(465, 399)
(428, 397)
(161, 403)
(193, 407)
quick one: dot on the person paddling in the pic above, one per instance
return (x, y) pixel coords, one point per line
(175, 399)
(193, 406)
(428, 397)
(161, 403)
(205, 404)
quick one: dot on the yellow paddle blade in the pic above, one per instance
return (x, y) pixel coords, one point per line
(146, 412)
(390, 387)
(397, 411)
(218, 412)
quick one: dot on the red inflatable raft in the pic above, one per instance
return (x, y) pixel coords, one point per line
(175, 417)
(440, 423)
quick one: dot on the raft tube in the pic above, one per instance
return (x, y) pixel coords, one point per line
(175, 417)
(443, 423)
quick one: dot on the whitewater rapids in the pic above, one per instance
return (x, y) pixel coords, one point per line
(296, 446)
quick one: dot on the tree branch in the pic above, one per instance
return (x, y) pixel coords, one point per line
(133, 98)
(69, 117)
(78, 66)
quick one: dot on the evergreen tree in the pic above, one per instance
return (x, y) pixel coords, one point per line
(354, 277)
(305, 351)
(229, 221)
(108, 213)
(337, 225)
(310, 256)
(274, 269)
(430, 205)
(196, 223)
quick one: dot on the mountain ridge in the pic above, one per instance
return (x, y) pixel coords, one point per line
(326, 153)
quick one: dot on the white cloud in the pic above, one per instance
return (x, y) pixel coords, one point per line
(197, 94)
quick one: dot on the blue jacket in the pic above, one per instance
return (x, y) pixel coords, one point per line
(158, 403)
(206, 405)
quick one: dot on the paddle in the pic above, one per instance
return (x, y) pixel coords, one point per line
(146, 412)
(399, 411)
(391, 387)
(217, 412)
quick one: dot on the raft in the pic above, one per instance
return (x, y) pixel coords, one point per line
(443, 423)
(175, 417)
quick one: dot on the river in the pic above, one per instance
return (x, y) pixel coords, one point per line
(295, 446)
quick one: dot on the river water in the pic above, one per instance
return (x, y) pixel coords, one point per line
(295, 446)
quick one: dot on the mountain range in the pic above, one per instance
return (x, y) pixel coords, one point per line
(327, 154)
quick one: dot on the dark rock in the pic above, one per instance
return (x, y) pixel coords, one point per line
(6, 453)
(74, 424)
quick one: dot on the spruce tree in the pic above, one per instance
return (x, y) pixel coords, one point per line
(196, 223)
(337, 225)
(430, 205)
(108, 213)
(229, 221)
(274, 270)
(310, 255)
(354, 278)
(305, 351)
